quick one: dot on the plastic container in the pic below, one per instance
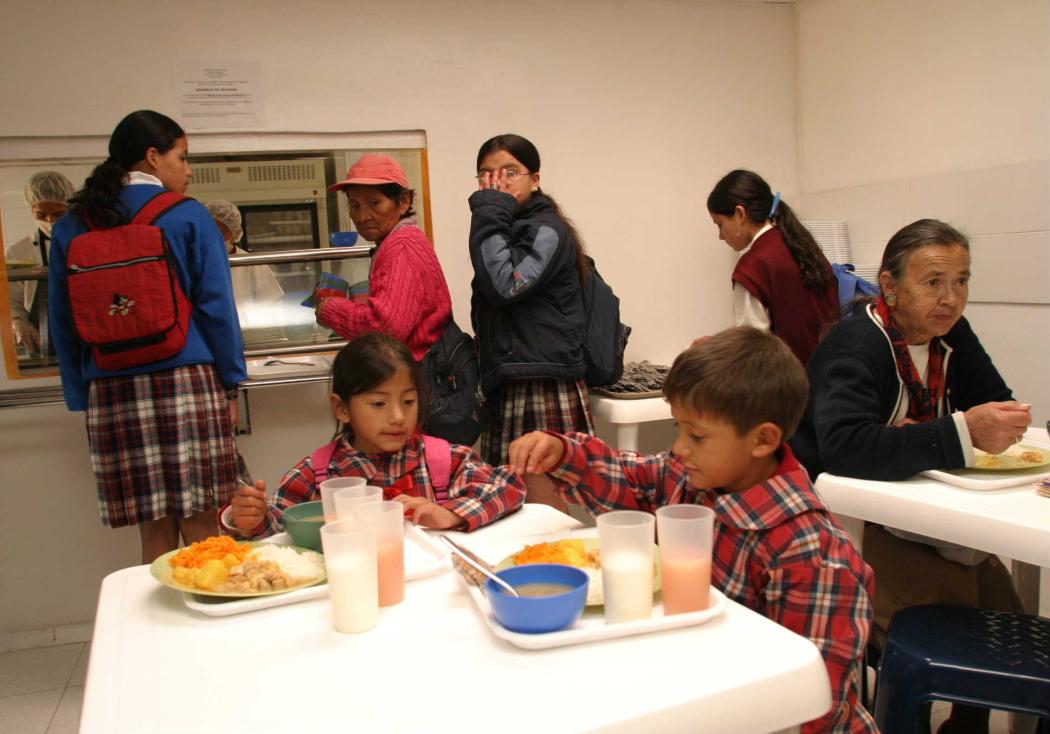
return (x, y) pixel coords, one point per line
(342, 239)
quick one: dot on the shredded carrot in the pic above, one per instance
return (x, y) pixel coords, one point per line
(215, 548)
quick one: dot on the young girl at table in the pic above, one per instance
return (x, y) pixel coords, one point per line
(736, 397)
(376, 399)
(782, 281)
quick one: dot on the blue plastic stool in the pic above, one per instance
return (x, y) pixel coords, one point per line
(970, 656)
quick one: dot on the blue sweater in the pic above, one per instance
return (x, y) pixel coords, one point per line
(203, 271)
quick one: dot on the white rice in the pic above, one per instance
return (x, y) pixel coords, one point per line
(298, 566)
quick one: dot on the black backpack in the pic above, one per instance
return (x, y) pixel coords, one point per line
(606, 337)
(457, 406)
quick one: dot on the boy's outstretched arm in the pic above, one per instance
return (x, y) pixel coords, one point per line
(588, 472)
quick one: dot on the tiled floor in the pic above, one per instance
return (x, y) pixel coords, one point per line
(41, 690)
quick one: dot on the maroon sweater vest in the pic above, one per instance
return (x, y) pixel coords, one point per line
(797, 314)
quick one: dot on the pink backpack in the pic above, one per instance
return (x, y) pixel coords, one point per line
(436, 454)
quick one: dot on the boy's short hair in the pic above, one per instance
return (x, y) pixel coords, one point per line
(743, 376)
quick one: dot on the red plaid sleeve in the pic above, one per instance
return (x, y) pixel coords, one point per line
(595, 475)
(826, 599)
(480, 493)
(296, 486)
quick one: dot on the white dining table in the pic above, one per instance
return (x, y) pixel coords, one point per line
(1013, 522)
(431, 666)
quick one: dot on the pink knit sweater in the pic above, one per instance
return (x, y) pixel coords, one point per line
(408, 297)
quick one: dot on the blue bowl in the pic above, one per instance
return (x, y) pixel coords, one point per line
(342, 239)
(534, 614)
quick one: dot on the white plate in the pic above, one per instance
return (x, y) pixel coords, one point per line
(591, 626)
(424, 557)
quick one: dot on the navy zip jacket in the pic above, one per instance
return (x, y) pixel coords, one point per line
(854, 391)
(527, 305)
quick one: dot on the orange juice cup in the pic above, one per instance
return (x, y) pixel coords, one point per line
(328, 489)
(685, 556)
(387, 518)
(347, 498)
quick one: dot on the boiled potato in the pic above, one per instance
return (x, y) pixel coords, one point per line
(230, 560)
(211, 574)
(183, 575)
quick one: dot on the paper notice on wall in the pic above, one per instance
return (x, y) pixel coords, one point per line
(220, 94)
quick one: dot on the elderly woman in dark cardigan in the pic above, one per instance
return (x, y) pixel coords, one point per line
(902, 385)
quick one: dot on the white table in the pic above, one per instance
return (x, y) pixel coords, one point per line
(626, 414)
(431, 666)
(1012, 522)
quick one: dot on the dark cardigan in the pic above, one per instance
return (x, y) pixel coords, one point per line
(854, 393)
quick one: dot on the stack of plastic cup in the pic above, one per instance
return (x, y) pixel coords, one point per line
(347, 498)
(328, 489)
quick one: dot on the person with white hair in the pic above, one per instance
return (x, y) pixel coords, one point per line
(251, 285)
(47, 194)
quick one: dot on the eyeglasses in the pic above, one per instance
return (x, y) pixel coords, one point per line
(511, 175)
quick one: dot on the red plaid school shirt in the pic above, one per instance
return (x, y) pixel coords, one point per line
(776, 551)
(477, 492)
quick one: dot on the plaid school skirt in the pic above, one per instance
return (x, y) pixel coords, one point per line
(544, 404)
(161, 444)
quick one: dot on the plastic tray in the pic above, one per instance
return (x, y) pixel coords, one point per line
(592, 627)
(982, 479)
(424, 557)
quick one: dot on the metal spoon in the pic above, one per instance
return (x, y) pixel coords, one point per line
(477, 564)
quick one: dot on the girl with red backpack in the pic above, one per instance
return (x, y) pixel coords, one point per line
(145, 326)
(376, 398)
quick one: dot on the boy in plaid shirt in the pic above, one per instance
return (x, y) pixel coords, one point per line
(736, 398)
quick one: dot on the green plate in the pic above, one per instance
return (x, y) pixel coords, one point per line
(1011, 459)
(161, 569)
(594, 588)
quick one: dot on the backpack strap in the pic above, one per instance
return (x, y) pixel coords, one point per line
(320, 459)
(438, 456)
(158, 205)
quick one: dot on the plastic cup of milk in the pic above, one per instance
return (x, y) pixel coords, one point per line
(328, 489)
(388, 520)
(353, 587)
(685, 556)
(625, 540)
(347, 498)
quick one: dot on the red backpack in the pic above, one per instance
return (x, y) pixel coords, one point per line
(124, 294)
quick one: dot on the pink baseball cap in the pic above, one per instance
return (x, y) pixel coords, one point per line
(373, 169)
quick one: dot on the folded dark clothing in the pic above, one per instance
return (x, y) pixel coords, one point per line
(639, 377)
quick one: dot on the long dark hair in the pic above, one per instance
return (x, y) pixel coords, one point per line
(916, 235)
(749, 190)
(367, 362)
(98, 203)
(523, 149)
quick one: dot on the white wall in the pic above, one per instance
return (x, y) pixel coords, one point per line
(636, 109)
(940, 109)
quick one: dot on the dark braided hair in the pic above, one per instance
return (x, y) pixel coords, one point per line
(749, 190)
(98, 203)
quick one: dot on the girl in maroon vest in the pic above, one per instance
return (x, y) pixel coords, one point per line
(782, 282)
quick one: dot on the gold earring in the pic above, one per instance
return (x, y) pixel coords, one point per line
(891, 300)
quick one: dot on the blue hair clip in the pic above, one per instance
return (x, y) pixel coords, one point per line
(776, 203)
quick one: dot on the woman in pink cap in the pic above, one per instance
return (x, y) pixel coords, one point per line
(408, 297)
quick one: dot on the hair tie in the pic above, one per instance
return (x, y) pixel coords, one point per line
(776, 203)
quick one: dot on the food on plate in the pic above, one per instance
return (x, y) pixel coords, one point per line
(1015, 457)
(220, 564)
(569, 552)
